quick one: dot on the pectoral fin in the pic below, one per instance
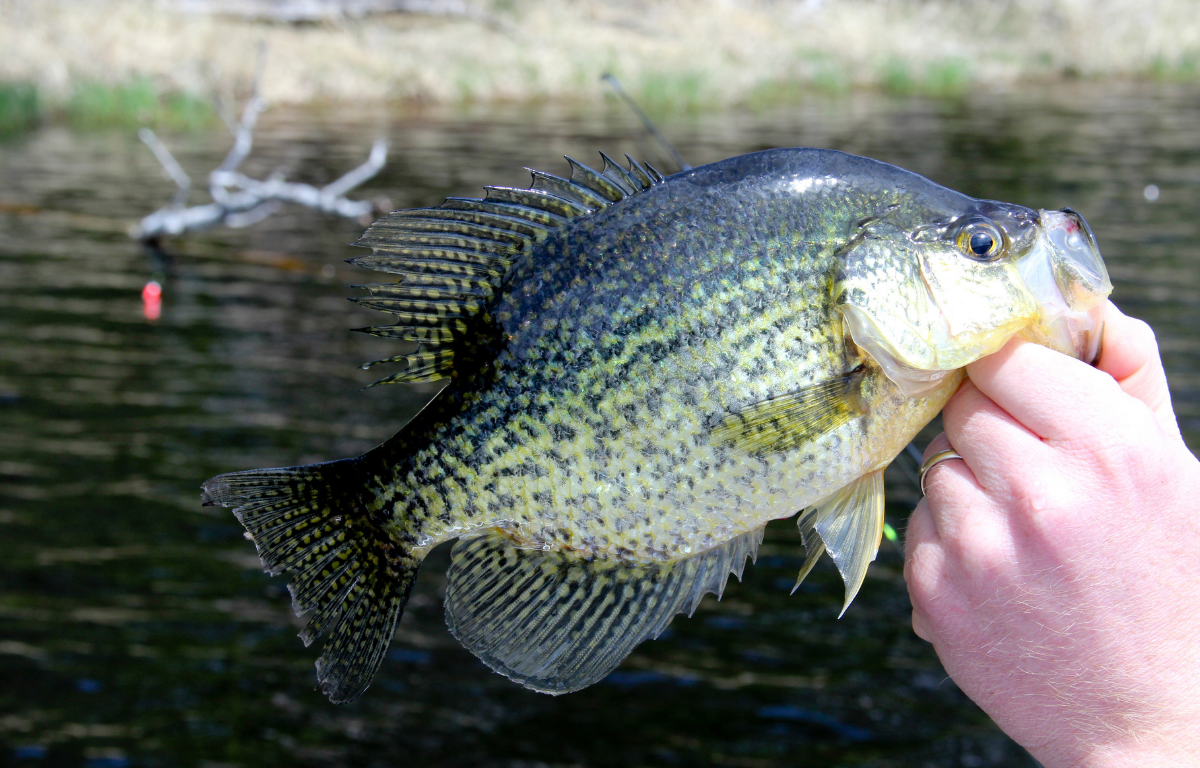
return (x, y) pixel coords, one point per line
(555, 622)
(790, 421)
(849, 526)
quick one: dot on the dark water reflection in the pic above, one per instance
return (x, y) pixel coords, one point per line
(136, 627)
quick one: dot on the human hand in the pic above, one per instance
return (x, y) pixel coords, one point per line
(1055, 569)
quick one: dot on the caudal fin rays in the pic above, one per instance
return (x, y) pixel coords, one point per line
(348, 574)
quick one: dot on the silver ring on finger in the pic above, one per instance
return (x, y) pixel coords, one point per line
(934, 460)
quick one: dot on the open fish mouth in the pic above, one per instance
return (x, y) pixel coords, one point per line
(1067, 277)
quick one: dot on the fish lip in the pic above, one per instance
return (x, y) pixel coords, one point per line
(1066, 275)
(1080, 272)
(1081, 222)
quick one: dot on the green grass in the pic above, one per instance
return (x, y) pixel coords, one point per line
(132, 104)
(946, 77)
(96, 106)
(19, 108)
(674, 92)
(1183, 69)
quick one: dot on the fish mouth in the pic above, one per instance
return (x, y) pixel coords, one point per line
(1066, 275)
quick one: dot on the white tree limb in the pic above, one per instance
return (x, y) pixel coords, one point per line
(238, 200)
(171, 168)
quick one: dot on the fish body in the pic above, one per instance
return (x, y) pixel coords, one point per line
(642, 373)
(626, 339)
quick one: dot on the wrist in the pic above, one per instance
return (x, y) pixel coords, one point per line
(1178, 750)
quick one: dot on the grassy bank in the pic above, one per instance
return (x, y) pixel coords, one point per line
(109, 62)
(91, 105)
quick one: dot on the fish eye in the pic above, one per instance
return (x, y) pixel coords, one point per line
(981, 240)
(981, 243)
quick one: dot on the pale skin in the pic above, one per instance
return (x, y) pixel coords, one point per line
(1056, 569)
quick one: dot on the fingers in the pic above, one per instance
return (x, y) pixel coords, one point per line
(1055, 396)
(951, 491)
(923, 559)
(1130, 355)
(920, 626)
(998, 449)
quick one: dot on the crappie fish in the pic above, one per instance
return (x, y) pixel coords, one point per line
(642, 372)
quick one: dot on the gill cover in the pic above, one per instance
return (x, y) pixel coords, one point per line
(926, 299)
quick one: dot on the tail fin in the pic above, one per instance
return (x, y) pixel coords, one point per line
(355, 578)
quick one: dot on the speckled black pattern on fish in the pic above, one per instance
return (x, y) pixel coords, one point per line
(642, 373)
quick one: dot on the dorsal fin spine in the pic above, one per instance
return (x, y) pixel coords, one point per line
(418, 359)
(407, 241)
(545, 219)
(423, 319)
(619, 175)
(581, 174)
(403, 266)
(640, 173)
(409, 333)
(433, 279)
(451, 260)
(433, 293)
(437, 308)
(567, 190)
(447, 254)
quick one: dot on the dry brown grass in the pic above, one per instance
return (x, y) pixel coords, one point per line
(671, 52)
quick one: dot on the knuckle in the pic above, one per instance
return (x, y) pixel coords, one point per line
(924, 569)
(939, 443)
(1114, 463)
(985, 554)
(1142, 331)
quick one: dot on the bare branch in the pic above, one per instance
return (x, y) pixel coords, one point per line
(226, 114)
(238, 200)
(171, 168)
(252, 216)
(243, 139)
(360, 174)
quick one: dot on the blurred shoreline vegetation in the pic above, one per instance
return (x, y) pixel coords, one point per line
(122, 63)
(93, 105)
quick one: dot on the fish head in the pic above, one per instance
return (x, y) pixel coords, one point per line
(925, 292)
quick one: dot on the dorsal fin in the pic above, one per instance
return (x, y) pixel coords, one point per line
(451, 260)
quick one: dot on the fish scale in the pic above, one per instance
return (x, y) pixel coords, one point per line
(642, 372)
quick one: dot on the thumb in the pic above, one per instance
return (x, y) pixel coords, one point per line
(1129, 354)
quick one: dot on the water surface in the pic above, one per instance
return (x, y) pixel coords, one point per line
(136, 627)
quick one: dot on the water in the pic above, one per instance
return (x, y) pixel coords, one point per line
(136, 628)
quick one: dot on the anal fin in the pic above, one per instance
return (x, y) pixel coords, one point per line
(849, 526)
(555, 623)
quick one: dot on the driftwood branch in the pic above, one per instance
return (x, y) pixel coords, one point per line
(239, 200)
(307, 11)
(171, 169)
